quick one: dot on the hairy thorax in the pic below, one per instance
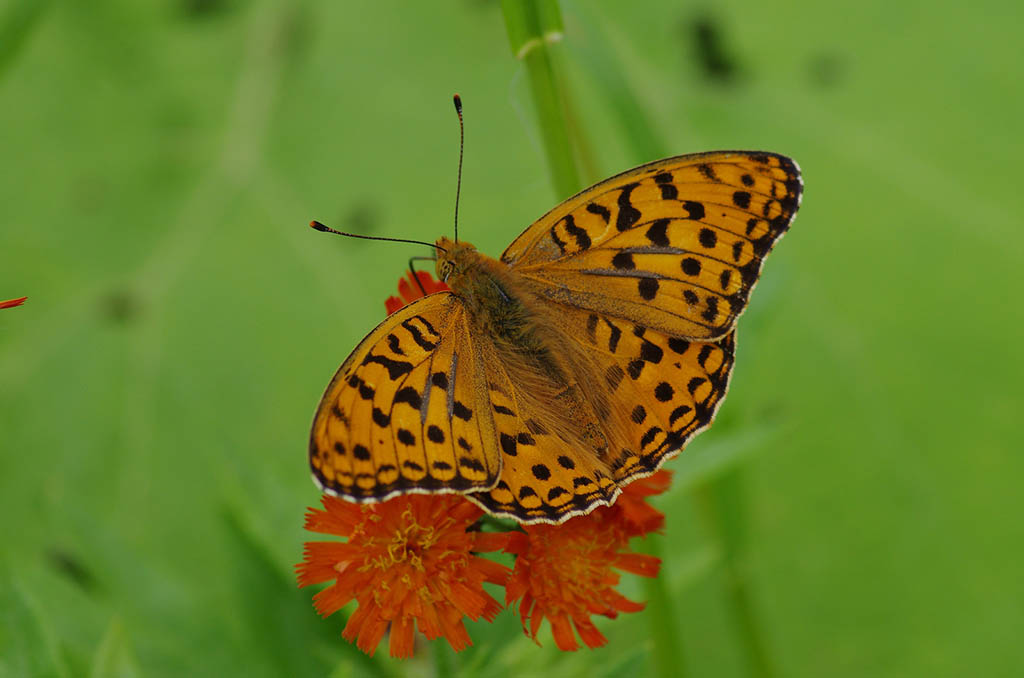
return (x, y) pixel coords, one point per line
(548, 371)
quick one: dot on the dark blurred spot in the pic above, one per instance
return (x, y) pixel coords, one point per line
(71, 567)
(826, 70)
(120, 306)
(362, 217)
(711, 55)
(295, 33)
(203, 9)
(774, 412)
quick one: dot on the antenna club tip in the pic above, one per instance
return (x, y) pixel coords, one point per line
(458, 104)
(317, 225)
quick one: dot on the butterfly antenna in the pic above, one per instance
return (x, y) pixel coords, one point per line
(458, 184)
(326, 229)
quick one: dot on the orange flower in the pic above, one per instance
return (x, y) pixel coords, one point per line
(634, 514)
(408, 561)
(11, 303)
(410, 291)
(568, 572)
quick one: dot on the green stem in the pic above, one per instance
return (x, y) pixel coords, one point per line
(721, 497)
(534, 27)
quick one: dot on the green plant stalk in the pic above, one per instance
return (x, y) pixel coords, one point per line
(534, 27)
(721, 497)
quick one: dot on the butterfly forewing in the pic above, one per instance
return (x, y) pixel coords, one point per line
(675, 245)
(409, 410)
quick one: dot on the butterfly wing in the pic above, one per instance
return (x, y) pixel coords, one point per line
(409, 410)
(662, 390)
(675, 245)
(655, 392)
(544, 479)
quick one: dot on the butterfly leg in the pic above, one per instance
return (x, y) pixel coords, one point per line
(415, 277)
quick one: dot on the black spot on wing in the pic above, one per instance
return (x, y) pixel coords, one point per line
(395, 368)
(623, 261)
(648, 288)
(651, 352)
(707, 238)
(508, 445)
(394, 345)
(600, 210)
(694, 209)
(678, 345)
(472, 464)
(614, 334)
(435, 434)
(410, 396)
(708, 172)
(711, 312)
(380, 418)
(541, 472)
(658, 233)
(582, 239)
(628, 215)
(417, 336)
(664, 182)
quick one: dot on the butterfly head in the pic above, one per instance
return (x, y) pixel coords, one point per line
(454, 259)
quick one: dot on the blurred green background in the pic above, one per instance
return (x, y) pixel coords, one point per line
(162, 160)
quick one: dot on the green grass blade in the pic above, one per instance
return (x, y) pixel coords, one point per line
(534, 29)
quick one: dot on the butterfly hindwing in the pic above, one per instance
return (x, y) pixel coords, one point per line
(675, 245)
(543, 478)
(665, 389)
(408, 411)
(659, 391)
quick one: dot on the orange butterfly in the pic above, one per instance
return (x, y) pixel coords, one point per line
(592, 351)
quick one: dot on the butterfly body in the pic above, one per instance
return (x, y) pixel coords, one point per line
(548, 372)
(598, 344)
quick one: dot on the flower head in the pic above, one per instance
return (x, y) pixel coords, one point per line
(408, 562)
(410, 290)
(635, 516)
(566, 573)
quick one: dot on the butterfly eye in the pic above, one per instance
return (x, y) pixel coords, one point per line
(445, 269)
